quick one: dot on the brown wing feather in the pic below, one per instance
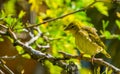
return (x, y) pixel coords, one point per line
(93, 35)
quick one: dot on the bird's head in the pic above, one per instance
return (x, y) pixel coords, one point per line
(73, 27)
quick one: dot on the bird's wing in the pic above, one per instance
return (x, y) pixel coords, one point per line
(93, 36)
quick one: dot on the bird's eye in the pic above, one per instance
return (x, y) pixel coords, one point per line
(72, 26)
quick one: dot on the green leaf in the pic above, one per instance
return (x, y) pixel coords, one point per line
(86, 55)
(10, 39)
(20, 49)
(106, 70)
(118, 23)
(40, 40)
(98, 70)
(9, 20)
(9, 7)
(85, 71)
(3, 15)
(87, 2)
(110, 71)
(105, 24)
(1, 39)
(102, 8)
(107, 34)
(21, 14)
(53, 69)
(119, 37)
(18, 27)
(27, 56)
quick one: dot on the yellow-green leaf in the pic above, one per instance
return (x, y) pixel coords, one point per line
(1, 39)
(102, 8)
(27, 56)
(118, 23)
(107, 34)
(21, 14)
(20, 49)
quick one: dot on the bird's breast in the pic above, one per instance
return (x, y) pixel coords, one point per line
(86, 46)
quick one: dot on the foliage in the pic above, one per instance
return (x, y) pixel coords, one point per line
(1, 39)
(59, 39)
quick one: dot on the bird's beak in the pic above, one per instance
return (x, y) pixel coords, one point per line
(67, 28)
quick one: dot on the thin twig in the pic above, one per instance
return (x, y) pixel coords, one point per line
(11, 57)
(2, 64)
(38, 55)
(35, 37)
(83, 9)
(64, 15)
(113, 36)
(4, 26)
(1, 72)
(95, 60)
(101, 61)
(43, 46)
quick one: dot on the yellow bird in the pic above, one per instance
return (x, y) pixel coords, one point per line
(86, 39)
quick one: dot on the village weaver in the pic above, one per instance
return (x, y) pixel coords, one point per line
(87, 39)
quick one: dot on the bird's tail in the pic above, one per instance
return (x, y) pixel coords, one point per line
(106, 54)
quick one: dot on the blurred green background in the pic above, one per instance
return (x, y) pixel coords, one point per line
(103, 15)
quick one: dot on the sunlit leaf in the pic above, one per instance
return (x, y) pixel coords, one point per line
(107, 34)
(110, 71)
(33, 46)
(40, 40)
(18, 27)
(35, 5)
(106, 70)
(9, 7)
(20, 49)
(10, 39)
(21, 14)
(118, 23)
(3, 15)
(1, 39)
(54, 4)
(102, 8)
(68, 19)
(53, 69)
(119, 37)
(87, 2)
(86, 55)
(27, 56)
(55, 29)
(105, 24)
(118, 14)
(85, 71)
(9, 20)
(98, 70)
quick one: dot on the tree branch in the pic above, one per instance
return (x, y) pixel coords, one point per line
(2, 64)
(39, 56)
(34, 38)
(83, 9)
(63, 15)
(94, 60)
